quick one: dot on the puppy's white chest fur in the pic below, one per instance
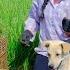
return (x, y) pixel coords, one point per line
(65, 65)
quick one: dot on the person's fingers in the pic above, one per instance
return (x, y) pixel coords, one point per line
(67, 33)
(25, 43)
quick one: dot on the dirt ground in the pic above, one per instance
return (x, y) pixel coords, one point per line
(3, 54)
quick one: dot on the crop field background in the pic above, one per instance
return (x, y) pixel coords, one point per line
(13, 13)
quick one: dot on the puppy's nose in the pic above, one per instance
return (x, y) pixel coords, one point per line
(51, 66)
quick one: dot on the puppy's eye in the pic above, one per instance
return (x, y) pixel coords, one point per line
(57, 54)
(49, 55)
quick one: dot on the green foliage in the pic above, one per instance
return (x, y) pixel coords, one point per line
(12, 16)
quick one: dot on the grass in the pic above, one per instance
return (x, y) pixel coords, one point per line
(13, 13)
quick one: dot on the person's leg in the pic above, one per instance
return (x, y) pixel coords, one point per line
(41, 63)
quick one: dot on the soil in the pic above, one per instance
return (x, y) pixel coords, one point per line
(3, 54)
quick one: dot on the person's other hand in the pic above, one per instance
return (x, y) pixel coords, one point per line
(25, 38)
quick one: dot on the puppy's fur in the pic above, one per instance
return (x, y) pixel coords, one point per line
(58, 54)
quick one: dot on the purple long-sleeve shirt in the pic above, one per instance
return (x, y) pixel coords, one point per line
(51, 26)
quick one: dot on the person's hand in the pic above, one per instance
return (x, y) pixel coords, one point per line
(66, 26)
(25, 38)
(67, 34)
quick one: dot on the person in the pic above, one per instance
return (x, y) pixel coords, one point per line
(55, 25)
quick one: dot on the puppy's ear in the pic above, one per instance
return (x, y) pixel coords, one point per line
(47, 45)
(65, 48)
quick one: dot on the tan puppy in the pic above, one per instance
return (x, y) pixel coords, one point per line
(58, 54)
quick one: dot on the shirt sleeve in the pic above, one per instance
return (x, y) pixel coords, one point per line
(31, 23)
(67, 9)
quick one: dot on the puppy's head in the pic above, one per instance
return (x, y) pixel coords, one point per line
(56, 51)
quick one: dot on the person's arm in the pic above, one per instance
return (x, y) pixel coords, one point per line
(31, 25)
(66, 20)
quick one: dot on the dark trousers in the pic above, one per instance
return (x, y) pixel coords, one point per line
(41, 63)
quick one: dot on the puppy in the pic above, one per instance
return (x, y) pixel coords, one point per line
(58, 54)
